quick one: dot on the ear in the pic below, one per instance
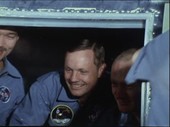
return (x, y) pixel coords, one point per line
(17, 38)
(101, 69)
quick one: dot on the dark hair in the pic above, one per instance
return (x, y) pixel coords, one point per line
(12, 28)
(97, 48)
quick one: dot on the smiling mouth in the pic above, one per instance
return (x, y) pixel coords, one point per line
(76, 86)
(2, 49)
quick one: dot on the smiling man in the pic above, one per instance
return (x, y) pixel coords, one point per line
(81, 73)
(11, 82)
(83, 66)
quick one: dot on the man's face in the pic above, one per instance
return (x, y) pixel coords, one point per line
(81, 74)
(127, 96)
(8, 40)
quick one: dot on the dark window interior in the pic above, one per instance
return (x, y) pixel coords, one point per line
(41, 49)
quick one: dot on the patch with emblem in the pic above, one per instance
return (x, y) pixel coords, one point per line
(61, 115)
(4, 94)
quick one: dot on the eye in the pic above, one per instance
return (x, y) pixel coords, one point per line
(67, 69)
(114, 85)
(83, 72)
(11, 36)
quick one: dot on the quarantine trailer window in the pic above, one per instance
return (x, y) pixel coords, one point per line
(49, 26)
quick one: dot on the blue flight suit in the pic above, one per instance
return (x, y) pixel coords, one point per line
(152, 65)
(11, 91)
(44, 95)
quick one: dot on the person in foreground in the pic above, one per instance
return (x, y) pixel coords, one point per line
(11, 82)
(55, 97)
(151, 64)
(127, 97)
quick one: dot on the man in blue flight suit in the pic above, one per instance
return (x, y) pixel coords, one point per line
(55, 97)
(151, 63)
(11, 82)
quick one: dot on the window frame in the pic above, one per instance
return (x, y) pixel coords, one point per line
(50, 18)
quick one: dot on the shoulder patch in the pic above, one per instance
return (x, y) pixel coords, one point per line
(62, 115)
(4, 94)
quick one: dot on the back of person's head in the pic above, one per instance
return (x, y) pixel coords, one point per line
(84, 44)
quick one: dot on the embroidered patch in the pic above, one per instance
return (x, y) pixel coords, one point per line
(4, 94)
(61, 115)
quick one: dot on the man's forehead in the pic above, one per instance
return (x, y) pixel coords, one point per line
(7, 31)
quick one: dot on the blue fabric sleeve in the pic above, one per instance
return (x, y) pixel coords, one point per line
(35, 108)
(153, 65)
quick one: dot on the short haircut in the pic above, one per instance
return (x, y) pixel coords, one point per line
(12, 28)
(126, 55)
(85, 44)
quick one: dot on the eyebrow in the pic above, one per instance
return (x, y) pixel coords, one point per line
(13, 33)
(116, 82)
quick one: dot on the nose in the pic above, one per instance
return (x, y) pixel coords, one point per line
(74, 77)
(2, 39)
(120, 92)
